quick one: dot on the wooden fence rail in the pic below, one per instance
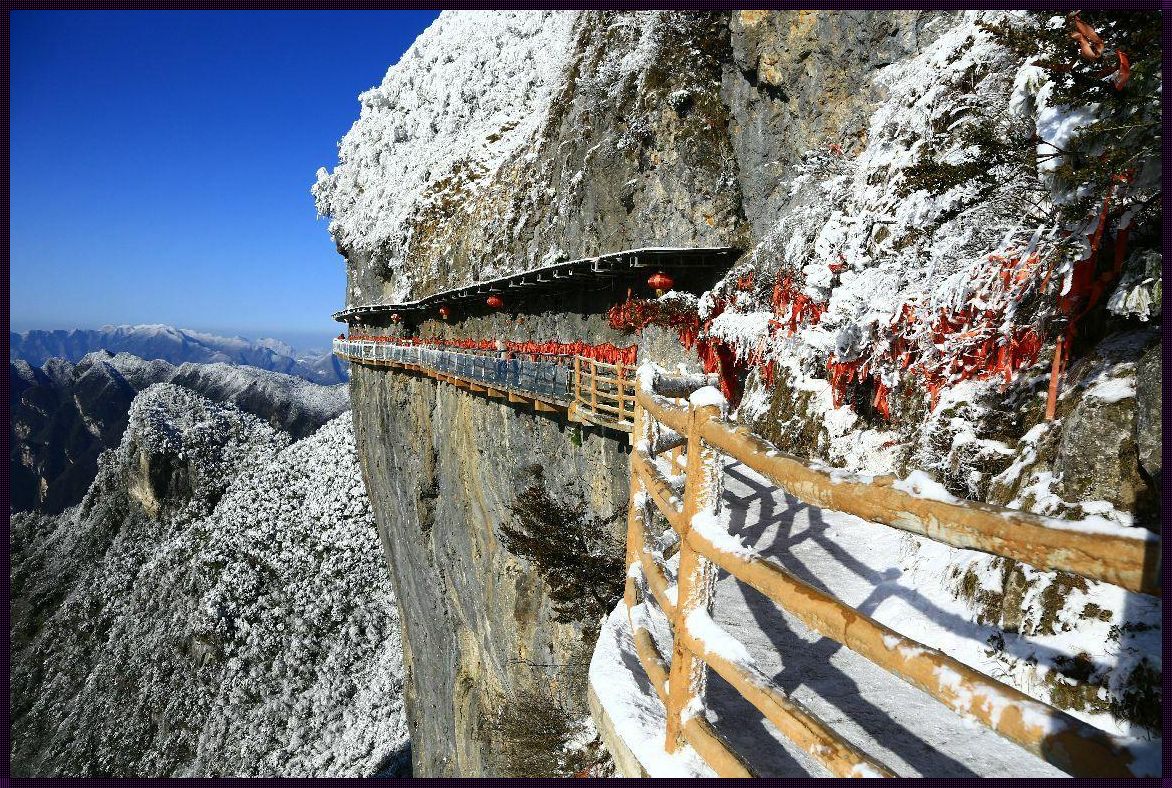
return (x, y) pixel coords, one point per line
(691, 510)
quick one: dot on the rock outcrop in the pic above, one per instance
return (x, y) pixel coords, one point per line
(63, 416)
(794, 136)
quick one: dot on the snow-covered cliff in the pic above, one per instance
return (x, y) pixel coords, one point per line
(919, 234)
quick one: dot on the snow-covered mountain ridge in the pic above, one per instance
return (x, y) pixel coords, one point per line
(216, 606)
(176, 346)
(63, 414)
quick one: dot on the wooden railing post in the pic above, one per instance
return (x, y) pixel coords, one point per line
(697, 577)
(635, 518)
(593, 387)
(619, 386)
(578, 379)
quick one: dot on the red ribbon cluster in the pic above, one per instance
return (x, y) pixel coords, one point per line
(635, 314)
(1087, 283)
(956, 344)
(788, 297)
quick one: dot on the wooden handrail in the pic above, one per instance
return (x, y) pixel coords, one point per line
(791, 718)
(604, 392)
(600, 393)
(1065, 741)
(664, 412)
(1069, 743)
(696, 730)
(658, 487)
(1114, 558)
(794, 720)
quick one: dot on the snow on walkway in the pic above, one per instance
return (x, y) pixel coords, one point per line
(890, 575)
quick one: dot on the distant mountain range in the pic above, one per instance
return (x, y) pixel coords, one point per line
(176, 346)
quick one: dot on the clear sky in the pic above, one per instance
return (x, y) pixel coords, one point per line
(161, 164)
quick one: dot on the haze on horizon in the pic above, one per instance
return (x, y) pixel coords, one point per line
(161, 164)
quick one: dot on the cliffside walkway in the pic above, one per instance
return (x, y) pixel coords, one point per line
(585, 390)
(783, 581)
(763, 626)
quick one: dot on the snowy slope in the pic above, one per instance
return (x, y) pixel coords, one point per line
(469, 93)
(217, 605)
(286, 401)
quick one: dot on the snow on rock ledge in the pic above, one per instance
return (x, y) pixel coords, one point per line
(471, 91)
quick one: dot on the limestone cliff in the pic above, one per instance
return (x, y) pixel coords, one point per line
(501, 142)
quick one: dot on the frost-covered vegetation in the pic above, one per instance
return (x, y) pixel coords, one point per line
(217, 605)
(445, 117)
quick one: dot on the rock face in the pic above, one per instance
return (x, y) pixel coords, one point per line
(485, 643)
(1149, 403)
(216, 606)
(782, 133)
(803, 80)
(65, 415)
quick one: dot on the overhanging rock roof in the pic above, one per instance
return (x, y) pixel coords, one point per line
(557, 275)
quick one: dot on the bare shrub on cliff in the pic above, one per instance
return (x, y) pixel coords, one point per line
(534, 736)
(572, 550)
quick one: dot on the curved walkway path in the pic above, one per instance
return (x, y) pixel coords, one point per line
(869, 566)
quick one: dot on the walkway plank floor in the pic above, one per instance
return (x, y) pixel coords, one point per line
(871, 567)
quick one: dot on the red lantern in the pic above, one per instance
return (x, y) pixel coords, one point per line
(660, 282)
(444, 312)
(495, 302)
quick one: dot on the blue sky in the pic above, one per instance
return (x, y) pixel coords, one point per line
(161, 164)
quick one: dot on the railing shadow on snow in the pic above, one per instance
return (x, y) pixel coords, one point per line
(705, 547)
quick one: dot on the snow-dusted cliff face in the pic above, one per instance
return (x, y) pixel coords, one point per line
(903, 187)
(217, 605)
(514, 145)
(444, 117)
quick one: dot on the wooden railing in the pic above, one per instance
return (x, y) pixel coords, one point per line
(604, 392)
(588, 391)
(664, 422)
